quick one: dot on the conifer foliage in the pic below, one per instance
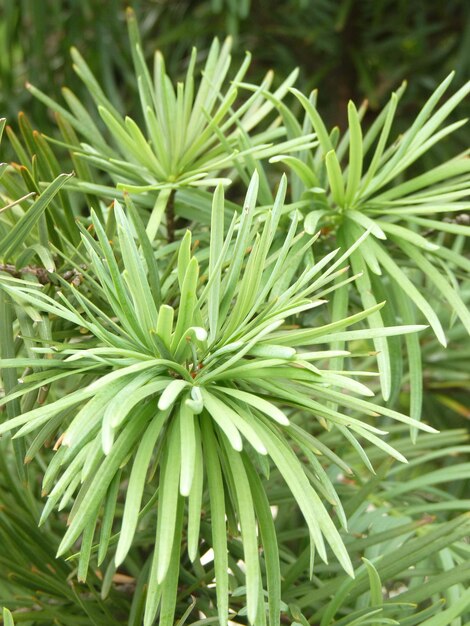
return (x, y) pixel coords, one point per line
(217, 326)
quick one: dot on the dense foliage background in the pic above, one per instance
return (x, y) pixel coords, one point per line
(408, 523)
(346, 49)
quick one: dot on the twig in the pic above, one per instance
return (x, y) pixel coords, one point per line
(44, 276)
(170, 217)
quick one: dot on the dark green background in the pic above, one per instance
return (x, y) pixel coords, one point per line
(349, 49)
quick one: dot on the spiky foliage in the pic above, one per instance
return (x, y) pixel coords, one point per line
(192, 133)
(176, 376)
(350, 184)
(214, 453)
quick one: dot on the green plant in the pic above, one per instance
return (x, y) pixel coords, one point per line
(149, 369)
(192, 132)
(358, 196)
(188, 357)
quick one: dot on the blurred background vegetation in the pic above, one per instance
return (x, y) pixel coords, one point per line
(348, 49)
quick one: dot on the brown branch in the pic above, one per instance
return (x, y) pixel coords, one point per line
(41, 274)
(170, 217)
(44, 276)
